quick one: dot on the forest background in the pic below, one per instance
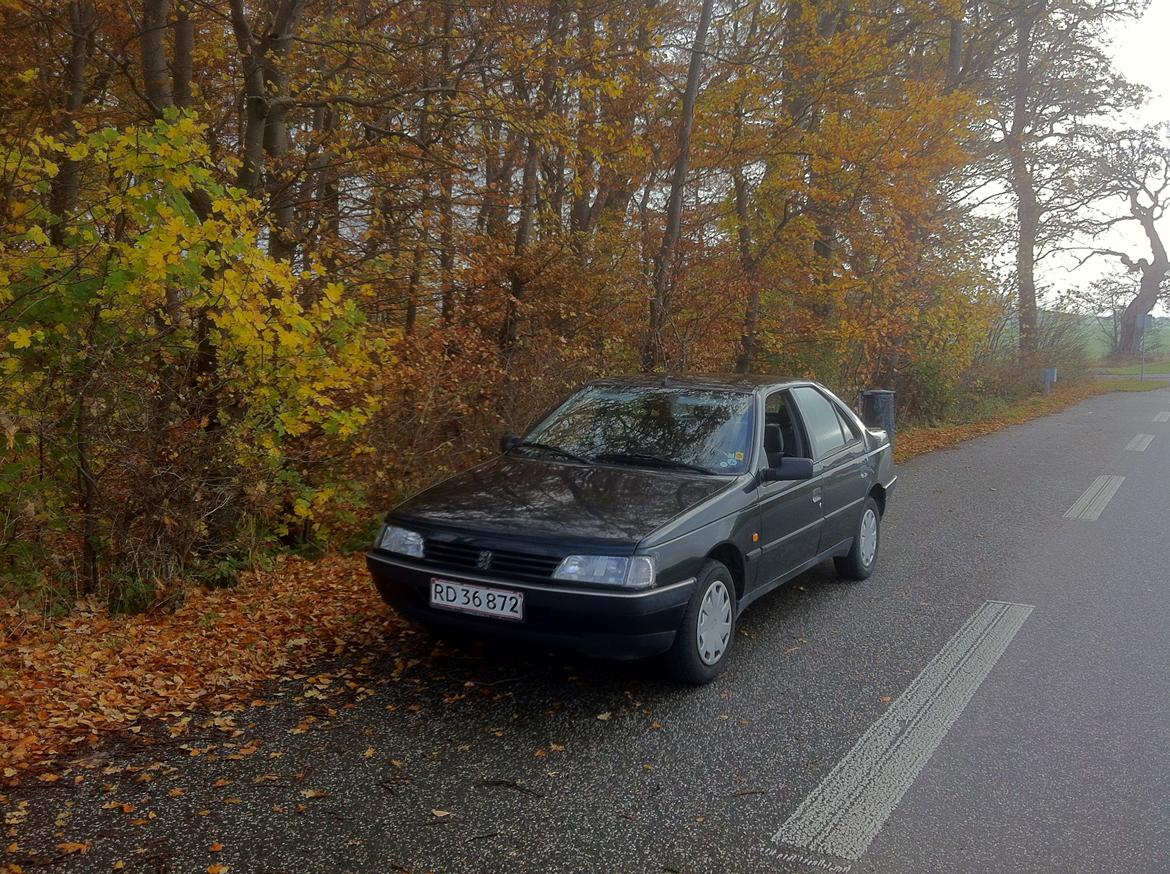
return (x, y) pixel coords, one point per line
(266, 267)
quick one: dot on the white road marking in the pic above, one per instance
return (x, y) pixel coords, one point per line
(1095, 498)
(1140, 443)
(843, 814)
(1162, 417)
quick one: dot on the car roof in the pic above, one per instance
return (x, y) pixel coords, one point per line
(730, 381)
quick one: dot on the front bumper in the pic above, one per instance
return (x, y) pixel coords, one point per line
(617, 625)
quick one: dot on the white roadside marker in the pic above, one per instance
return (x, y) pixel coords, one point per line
(1140, 443)
(1095, 498)
(1162, 417)
(842, 815)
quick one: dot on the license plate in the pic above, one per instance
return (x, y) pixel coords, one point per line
(480, 600)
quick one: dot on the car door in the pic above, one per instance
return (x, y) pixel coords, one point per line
(839, 464)
(790, 512)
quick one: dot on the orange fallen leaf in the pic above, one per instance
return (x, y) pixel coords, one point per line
(216, 847)
(70, 847)
(313, 793)
(216, 868)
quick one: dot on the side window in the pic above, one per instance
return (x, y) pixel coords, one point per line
(821, 420)
(851, 432)
(782, 432)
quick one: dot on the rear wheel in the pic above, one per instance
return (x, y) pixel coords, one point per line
(707, 632)
(859, 563)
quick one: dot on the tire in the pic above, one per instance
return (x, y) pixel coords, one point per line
(687, 661)
(860, 562)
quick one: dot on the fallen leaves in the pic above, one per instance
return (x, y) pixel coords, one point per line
(439, 814)
(76, 679)
(74, 847)
(917, 441)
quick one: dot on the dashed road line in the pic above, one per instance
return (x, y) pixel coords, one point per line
(844, 813)
(1140, 443)
(1095, 498)
(1162, 417)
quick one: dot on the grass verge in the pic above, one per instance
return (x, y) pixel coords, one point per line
(1136, 369)
(917, 441)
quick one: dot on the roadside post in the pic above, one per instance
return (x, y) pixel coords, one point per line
(1145, 325)
(877, 410)
(1050, 375)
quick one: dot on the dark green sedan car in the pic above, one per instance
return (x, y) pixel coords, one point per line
(642, 516)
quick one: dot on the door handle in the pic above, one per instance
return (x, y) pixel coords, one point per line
(816, 496)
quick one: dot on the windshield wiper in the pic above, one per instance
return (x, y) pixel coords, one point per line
(654, 460)
(556, 450)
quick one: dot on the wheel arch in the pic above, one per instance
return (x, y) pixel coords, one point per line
(729, 556)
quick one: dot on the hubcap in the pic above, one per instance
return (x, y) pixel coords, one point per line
(869, 536)
(714, 624)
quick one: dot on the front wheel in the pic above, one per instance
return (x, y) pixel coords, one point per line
(707, 631)
(862, 557)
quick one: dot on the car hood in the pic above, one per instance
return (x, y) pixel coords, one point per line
(532, 496)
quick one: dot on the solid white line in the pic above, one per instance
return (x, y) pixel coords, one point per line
(1099, 503)
(843, 814)
(1140, 443)
(1162, 417)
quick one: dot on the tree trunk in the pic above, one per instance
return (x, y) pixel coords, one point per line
(1153, 276)
(1024, 186)
(156, 74)
(654, 351)
(749, 266)
(528, 184)
(64, 186)
(184, 64)
(282, 242)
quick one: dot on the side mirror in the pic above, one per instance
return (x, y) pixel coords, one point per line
(790, 469)
(508, 441)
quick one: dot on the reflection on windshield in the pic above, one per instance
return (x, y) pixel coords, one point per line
(653, 427)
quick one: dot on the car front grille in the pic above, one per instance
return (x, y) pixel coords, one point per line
(489, 562)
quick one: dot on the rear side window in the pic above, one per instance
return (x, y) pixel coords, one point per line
(851, 432)
(820, 420)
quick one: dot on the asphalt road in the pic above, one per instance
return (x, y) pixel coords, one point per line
(922, 739)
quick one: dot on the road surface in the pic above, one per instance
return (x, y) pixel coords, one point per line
(995, 698)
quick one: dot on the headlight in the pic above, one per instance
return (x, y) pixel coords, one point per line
(635, 572)
(401, 540)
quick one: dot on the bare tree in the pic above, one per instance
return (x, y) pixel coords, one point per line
(1134, 167)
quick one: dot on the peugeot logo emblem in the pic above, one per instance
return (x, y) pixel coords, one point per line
(485, 560)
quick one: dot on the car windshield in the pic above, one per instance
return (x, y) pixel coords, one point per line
(650, 426)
